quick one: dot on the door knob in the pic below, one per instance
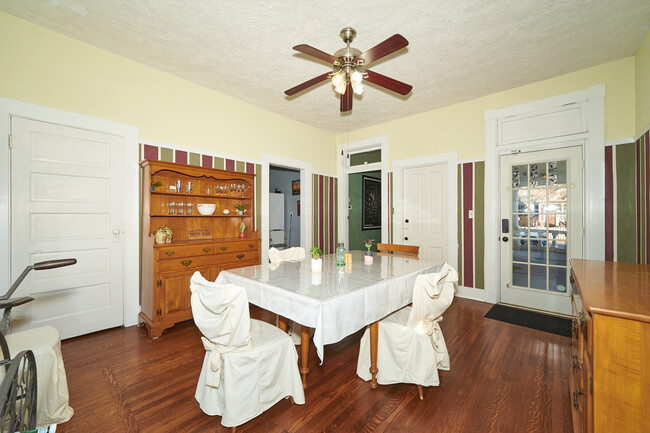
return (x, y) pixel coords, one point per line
(406, 238)
(505, 238)
(406, 220)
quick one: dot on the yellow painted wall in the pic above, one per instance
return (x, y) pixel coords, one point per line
(45, 68)
(461, 126)
(642, 66)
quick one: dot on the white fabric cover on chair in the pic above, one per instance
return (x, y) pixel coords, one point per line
(51, 382)
(295, 254)
(249, 365)
(410, 346)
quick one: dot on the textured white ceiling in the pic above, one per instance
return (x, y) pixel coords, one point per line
(458, 50)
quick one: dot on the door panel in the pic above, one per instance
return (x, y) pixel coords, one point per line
(67, 202)
(541, 200)
(425, 210)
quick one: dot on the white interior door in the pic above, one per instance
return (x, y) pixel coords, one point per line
(425, 210)
(66, 196)
(541, 211)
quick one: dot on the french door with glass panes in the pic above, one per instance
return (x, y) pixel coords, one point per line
(541, 227)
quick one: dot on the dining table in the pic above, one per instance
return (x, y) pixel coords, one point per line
(335, 302)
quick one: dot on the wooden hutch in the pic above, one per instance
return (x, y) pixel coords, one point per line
(203, 243)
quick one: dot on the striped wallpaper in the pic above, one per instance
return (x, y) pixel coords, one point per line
(471, 231)
(148, 151)
(325, 212)
(627, 201)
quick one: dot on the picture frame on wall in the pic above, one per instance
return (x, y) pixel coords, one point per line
(371, 203)
(295, 187)
(298, 207)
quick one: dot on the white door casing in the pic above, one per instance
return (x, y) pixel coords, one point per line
(425, 219)
(67, 202)
(344, 170)
(548, 133)
(542, 227)
(306, 198)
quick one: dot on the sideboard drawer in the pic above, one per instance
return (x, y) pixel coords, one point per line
(236, 257)
(229, 247)
(172, 252)
(183, 263)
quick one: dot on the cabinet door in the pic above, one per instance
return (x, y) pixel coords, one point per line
(176, 293)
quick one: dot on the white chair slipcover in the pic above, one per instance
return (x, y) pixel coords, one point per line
(249, 365)
(51, 383)
(410, 346)
(295, 254)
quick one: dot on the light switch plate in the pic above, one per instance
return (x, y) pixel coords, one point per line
(471, 214)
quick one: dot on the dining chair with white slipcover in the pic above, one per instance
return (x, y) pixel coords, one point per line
(249, 365)
(411, 347)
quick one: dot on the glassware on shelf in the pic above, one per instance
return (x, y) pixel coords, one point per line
(189, 187)
(207, 189)
(179, 186)
(188, 208)
(180, 208)
(171, 208)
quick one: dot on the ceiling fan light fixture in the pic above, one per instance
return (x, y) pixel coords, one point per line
(339, 81)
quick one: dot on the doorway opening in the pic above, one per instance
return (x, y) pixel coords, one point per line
(284, 207)
(364, 208)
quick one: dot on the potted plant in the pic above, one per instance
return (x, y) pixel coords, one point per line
(367, 259)
(316, 260)
(240, 209)
(242, 227)
(155, 183)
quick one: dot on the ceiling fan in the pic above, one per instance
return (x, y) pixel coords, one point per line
(349, 65)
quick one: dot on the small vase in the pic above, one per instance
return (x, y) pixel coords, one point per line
(316, 265)
(240, 212)
(367, 258)
(241, 235)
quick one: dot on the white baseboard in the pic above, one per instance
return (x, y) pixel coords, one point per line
(472, 293)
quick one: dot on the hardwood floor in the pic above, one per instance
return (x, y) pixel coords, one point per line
(503, 378)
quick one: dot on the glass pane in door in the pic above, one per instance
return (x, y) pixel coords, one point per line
(539, 226)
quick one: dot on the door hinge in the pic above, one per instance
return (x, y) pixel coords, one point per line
(159, 283)
(10, 141)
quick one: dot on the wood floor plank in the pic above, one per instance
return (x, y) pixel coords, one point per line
(503, 378)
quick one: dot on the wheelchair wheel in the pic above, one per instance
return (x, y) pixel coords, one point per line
(18, 394)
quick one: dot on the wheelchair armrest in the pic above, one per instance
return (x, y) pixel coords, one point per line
(10, 303)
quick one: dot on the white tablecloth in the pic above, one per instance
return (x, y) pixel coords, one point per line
(338, 301)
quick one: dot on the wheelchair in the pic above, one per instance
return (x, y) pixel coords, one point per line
(18, 391)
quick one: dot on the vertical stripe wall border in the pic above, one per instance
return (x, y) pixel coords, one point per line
(471, 231)
(325, 211)
(627, 201)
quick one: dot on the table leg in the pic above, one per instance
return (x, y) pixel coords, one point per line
(374, 335)
(283, 323)
(304, 354)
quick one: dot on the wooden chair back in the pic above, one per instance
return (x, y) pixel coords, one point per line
(398, 250)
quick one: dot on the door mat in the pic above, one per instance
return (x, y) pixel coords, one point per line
(531, 319)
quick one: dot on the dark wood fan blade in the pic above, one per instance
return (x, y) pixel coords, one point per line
(390, 45)
(346, 99)
(306, 84)
(315, 52)
(388, 83)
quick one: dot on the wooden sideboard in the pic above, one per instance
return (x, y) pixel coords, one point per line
(204, 243)
(610, 377)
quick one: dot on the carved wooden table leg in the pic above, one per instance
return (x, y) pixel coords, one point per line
(374, 334)
(283, 323)
(304, 354)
